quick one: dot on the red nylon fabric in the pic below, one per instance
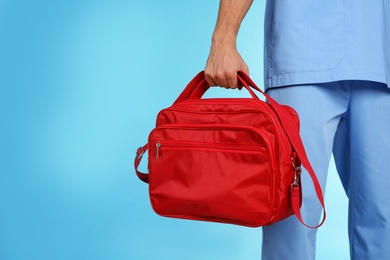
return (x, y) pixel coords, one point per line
(223, 160)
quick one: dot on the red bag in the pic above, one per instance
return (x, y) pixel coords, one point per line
(229, 160)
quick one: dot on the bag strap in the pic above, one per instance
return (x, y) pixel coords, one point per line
(195, 90)
(138, 157)
(292, 131)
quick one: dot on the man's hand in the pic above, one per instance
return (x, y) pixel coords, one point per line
(222, 66)
(224, 60)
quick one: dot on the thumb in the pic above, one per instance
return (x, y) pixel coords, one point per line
(244, 68)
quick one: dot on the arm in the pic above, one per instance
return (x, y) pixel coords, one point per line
(224, 60)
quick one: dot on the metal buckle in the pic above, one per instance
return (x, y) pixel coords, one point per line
(140, 149)
(297, 173)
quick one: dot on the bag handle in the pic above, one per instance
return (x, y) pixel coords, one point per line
(195, 90)
(198, 86)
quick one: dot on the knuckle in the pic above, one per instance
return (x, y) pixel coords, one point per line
(230, 74)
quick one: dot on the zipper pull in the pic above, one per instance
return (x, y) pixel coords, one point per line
(158, 145)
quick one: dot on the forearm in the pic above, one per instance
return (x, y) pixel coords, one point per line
(230, 15)
(224, 60)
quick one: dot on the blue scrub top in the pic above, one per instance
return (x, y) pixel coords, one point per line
(314, 41)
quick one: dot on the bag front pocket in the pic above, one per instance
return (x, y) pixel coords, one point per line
(217, 173)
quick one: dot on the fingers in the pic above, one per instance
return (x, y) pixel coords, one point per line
(222, 66)
(210, 78)
(226, 79)
(231, 80)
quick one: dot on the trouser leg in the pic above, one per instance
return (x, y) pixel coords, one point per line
(320, 108)
(362, 156)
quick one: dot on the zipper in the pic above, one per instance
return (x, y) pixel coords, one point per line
(158, 145)
(254, 105)
(214, 146)
(182, 106)
(214, 101)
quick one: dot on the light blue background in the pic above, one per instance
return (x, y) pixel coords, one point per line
(81, 83)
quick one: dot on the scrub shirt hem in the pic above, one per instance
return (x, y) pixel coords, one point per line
(312, 78)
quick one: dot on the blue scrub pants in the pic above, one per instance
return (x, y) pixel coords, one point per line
(352, 120)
